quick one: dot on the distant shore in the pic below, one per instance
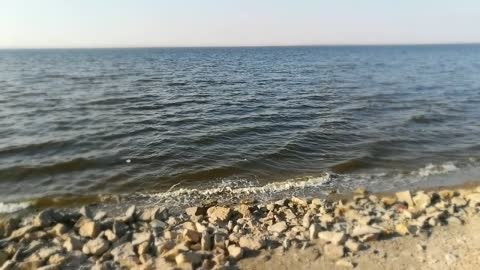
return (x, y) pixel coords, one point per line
(436, 228)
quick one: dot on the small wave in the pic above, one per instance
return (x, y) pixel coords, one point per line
(435, 169)
(225, 192)
(12, 207)
(426, 118)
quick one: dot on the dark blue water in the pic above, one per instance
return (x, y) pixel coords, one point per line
(77, 122)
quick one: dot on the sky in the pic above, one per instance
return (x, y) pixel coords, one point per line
(170, 23)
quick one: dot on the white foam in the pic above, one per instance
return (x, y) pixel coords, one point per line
(12, 207)
(431, 169)
(246, 188)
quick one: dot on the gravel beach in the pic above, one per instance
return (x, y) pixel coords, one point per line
(435, 229)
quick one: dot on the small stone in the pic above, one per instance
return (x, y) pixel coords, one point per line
(3, 257)
(335, 238)
(205, 241)
(344, 264)
(139, 238)
(192, 236)
(421, 200)
(251, 243)
(219, 214)
(188, 257)
(19, 233)
(46, 218)
(196, 211)
(219, 240)
(110, 236)
(57, 259)
(473, 198)
(333, 251)
(401, 229)
(96, 247)
(125, 255)
(306, 220)
(89, 229)
(313, 231)
(454, 220)
(119, 228)
(405, 196)
(299, 201)
(365, 230)
(459, 202)
(235, 252)
(153, 213)
(317, 202)
(244, 210)
(100, 215)
(143, 248)
(86, 212)
(388, 201)
(59, 229)
(352, 245)
(278, 227)
(446, 194)
(73, 243)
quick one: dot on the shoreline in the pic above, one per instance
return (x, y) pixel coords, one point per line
(337, 231)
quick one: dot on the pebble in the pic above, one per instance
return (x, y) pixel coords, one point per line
(333, 251)
(278, 227)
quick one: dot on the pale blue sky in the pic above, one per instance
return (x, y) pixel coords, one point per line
(139, 23)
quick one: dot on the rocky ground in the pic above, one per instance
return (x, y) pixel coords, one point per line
(396, 231)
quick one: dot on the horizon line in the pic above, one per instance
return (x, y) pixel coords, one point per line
(243, 46)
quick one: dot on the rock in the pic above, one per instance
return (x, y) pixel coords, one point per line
(219, 240)
(119, 228)
(235, 252)
(473, 198)
(333, 251)
(306, 220)
(173, 252)
(362, 230)
(7, 226)
(96, 247)
(73, 243)
(454, 220)
(139, 238)
(110, 236)
(192, 236)
(335, 238)
(421, 200)
(57, 259)
(219, 214)
(75, 260)
(205, 241)
(89, 229)
(143, 248)
(401, 229)
(86, 212)
(188, 257)
(46, 218)
(157, 224)
(125, 255)
(405, 196)
(196, 211)
(352, 245)
(251, 243)
(19, 233)
(459, 202)
(344, 264)
(299, 201)
(153, 213)
(100, 215)
(46, 252)
(446, 194)
(388, 201)
(244, 210)
(59, 229)
(278, 227)
(3, 257)
(317, 202)
(313, 231)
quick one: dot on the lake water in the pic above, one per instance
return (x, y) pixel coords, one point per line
(192, 123)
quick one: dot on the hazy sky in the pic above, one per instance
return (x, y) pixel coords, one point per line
(127, 23)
